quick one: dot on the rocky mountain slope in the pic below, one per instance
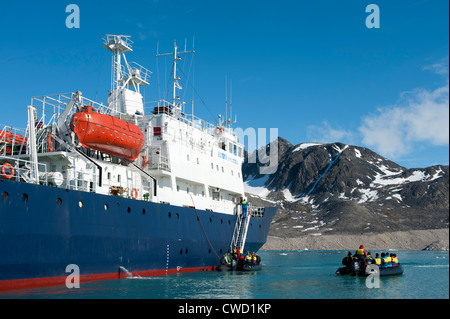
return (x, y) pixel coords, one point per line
(345, 189)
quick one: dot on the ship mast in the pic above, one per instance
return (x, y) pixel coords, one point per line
(125, 75)
(176, 86)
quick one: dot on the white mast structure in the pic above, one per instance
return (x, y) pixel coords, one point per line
(177, 106)
(124, 76)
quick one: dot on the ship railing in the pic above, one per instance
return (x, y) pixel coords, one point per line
(163, 106)
(54, 105)
(12, 140)
(136, 71)
(118, 40)
(22, 170)
(256, 211)
(160, 162)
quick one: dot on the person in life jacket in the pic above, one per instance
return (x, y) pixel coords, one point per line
(255, 259)
(234, 253)
(244, 205)
(369, 259)
(360, 252)
(394, 260)
(226, 259)
(348, 260)
(388, 259)
(385, 262)
(240, 256)
(377, 260)
(248, 258)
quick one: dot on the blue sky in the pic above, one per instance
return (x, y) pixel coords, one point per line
(312, 69)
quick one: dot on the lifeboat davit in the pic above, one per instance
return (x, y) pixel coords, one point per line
(107, 133)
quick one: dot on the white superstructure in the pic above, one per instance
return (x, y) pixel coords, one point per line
(185, 161)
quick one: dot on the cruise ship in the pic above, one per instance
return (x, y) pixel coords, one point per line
(120, 190)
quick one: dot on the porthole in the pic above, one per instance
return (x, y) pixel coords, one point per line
(186, 251)
(143, 211)
(221, 221)
(80, 204)
(24, 197)
(181, 251)
(105, 207)
(170, 215)
(209, 251)
(59, 201)
(210, 219)
(177, 215)
(128, 209)
(5, 195)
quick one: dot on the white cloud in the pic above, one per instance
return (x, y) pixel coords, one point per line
(422, 116)
(328, 134)
(440, 67)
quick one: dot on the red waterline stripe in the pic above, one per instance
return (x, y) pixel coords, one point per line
(53, 281)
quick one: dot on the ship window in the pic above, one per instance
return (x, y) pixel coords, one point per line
(58, 201)
(170, 215)
(230, 147)
(222, 170)
(198, 162)
(212, 166)
(187, 190)
(80, 204)
(118, 178)
(217, 166)
(25, 197)
(109, 175)
(188, 157)
(128, 209)
(105, 207)
(240, 152)
(234, 149)
(178, 188)
(5, 195)
(232, 174)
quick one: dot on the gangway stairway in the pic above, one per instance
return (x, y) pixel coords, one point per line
(240, 232)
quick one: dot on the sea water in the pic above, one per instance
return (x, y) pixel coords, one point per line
(284, 275)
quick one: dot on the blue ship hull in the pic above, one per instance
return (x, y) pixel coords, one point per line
(44, 229)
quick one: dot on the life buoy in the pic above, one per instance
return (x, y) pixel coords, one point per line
(134, 193)
(11, 170)
(218, 130)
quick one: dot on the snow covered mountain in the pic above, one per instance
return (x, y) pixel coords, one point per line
(345, 188)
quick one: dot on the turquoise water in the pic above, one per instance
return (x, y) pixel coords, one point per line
(285, 275)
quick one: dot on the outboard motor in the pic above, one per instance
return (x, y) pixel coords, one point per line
(356, 268)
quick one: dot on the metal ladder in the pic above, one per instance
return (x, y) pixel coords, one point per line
(240, 232)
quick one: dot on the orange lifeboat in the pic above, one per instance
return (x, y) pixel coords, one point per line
(12, 141)
(107, 133)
